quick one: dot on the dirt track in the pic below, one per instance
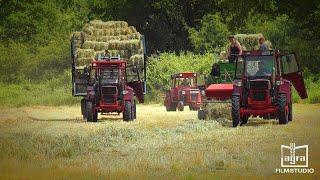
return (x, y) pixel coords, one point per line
(45, 141)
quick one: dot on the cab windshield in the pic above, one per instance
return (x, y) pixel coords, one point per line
(185, 82)
(259, 66)
(110, 76)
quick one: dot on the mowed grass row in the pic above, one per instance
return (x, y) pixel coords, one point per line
(158, 143)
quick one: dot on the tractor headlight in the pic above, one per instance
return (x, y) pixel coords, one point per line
(203, 92)
(238, 83)
(124, 92)
(183, 92)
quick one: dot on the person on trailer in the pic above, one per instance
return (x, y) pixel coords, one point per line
(263, 47)
(234, 50)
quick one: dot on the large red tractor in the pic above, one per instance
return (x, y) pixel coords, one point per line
(262, 86)
(184, 92)
(108, 91)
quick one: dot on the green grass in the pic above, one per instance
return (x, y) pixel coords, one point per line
(52, 92)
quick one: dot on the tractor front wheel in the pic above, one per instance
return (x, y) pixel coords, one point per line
(282, 114)
(127, 113)
(202, 115)
(244, 120)
(235, 111)
(180, 106)
(92, 115)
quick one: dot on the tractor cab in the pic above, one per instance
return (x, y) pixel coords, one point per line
(262, 86)
(109, 82)
(184, 91)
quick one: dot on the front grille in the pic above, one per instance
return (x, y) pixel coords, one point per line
(109, 99)
(259, 85)
(109, 90)
(259, 96)
(194, 97)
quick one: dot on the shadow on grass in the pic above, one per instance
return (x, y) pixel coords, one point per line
(254, 122)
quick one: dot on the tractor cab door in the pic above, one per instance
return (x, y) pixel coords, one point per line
(290, 71)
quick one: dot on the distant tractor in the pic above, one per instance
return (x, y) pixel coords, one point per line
(262, 86)
(184, 92)
(108, 91)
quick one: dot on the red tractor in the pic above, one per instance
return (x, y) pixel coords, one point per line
(262, 86)
(109, 91)
(184, 92)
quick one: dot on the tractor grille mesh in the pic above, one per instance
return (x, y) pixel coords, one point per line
(259, 96)
(109, 99)
(194, 97)
(109, 90)
(259, 85)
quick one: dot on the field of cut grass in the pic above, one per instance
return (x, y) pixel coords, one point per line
(47, 142)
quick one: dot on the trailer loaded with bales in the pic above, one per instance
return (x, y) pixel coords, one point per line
(108, 69)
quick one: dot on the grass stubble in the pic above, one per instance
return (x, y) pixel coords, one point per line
(55, 142)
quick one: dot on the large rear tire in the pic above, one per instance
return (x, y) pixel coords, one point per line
(83, 108)
(127, 113)
(290, 109)
(92, 115)
(134, 110)
(235, 110)
(281, 103)
(171, 107)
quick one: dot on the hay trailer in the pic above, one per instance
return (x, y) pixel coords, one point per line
(184, 91)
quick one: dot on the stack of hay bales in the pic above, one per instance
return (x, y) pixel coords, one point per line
(115, 36)
(250, 41)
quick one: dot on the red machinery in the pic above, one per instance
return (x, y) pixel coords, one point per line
(184, 92)
(262, 87)
(108, 90)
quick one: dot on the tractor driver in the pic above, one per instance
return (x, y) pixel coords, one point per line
(262, 70)
(185, 82)
(234, 50)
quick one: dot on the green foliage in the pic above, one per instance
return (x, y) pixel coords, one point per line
(212, 34)
(161, 68)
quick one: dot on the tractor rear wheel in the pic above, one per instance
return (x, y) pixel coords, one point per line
(83, 108)
(202, 114)
(180, 105)
(281, 103)
(92, 116)
(134, 110)
(171, 107)
(235, 111)
(127, 113)
(290, 109)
